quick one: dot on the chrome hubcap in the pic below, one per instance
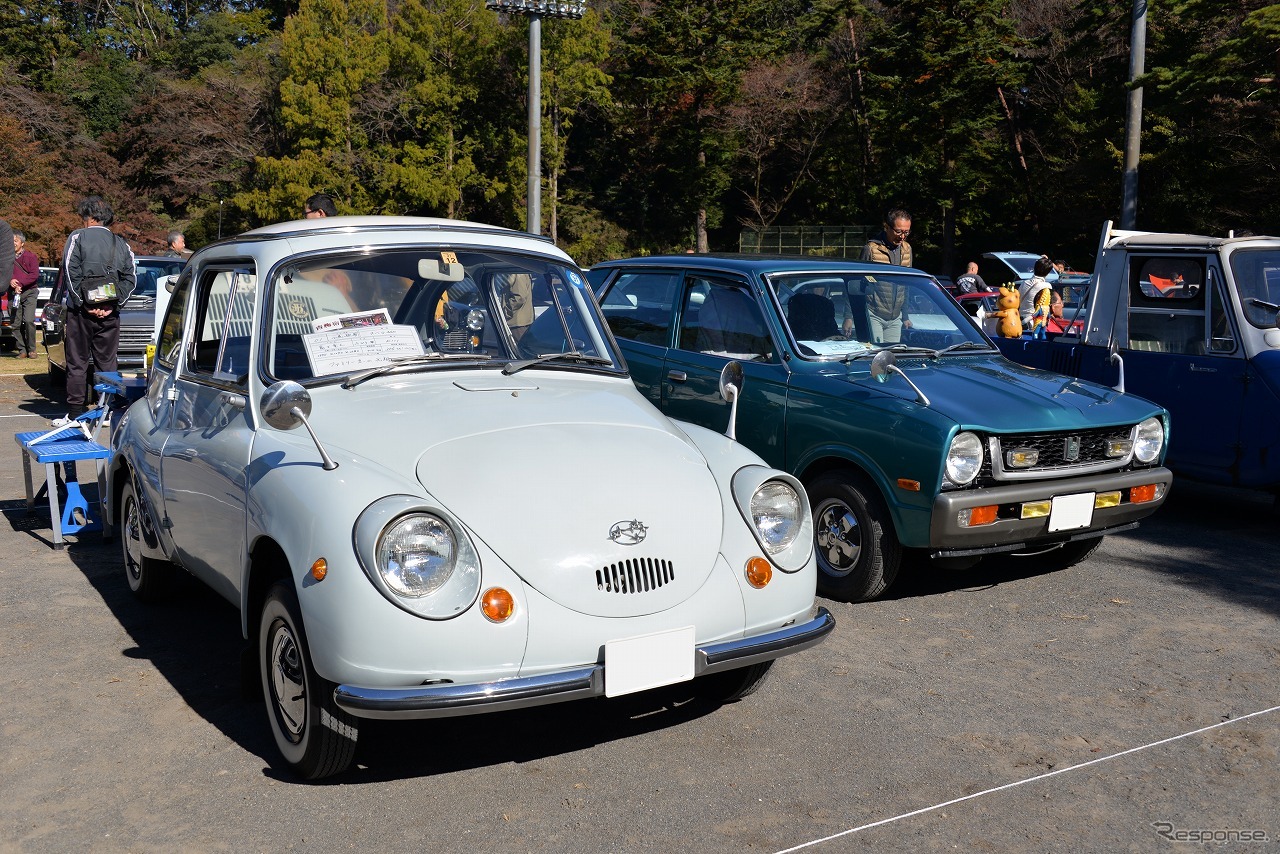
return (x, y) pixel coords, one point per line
(839, 538)
(288, 686)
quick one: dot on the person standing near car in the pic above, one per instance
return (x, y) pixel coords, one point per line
(176, 246)
(318, 206)
(26, 289)
(887, 301)
(971, 282)
(6, 254)
(98, 266)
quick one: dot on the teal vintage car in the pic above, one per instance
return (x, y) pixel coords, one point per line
(905, 424)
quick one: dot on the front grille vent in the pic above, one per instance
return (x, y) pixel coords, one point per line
(1089, 453)
(635, 576)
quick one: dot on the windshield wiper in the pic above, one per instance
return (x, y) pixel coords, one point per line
(1264, 303)
(964, 345)
(355, 379)
(894, 348)
(574, 356)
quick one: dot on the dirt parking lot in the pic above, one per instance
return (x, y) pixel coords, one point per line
(1131, 703)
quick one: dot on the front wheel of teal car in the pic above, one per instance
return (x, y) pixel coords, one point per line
(315, 736)
(858, 554)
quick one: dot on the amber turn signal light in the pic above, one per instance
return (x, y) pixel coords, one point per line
(319, 569)
(1142, 494)
(975, 516)
(497, 604)
(759, 572)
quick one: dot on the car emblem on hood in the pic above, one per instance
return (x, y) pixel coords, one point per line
(1071, 449)
(628, 533)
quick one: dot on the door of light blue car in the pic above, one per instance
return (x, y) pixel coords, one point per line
(204, 460)
(1182, 350)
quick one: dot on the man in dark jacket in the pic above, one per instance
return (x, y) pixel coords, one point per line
(6, 253)
(98, 266)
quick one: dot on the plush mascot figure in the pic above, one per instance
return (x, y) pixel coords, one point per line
(1010, 325)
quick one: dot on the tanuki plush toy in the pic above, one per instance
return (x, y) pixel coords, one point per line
(1010, 325)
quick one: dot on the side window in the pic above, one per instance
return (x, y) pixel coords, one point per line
(1167, 304)
(638, 306)
(171, 329)
(223, 324)
(721, 318)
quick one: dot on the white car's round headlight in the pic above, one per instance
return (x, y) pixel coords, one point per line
(1149, 440)
(777, 512)
(964, 458)
(416, 555)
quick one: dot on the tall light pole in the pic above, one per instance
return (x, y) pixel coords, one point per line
(1133, 122)
(536, 10)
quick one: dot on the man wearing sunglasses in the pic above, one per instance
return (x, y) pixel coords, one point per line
(887, 300)
(890, 246)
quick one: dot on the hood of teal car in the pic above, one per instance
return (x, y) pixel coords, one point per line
(995, 394)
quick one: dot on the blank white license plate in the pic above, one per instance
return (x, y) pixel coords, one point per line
(1070, 512)
(648, 661)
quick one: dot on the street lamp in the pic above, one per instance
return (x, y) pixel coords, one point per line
(536, 10)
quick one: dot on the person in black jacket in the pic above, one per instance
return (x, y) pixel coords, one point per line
(98, 266)
(6, 253)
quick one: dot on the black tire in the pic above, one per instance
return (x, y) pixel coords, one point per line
(149, 579)
(733, 685)
(313, 734)
(858, 552)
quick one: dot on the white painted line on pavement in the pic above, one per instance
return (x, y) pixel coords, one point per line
(1016, 783)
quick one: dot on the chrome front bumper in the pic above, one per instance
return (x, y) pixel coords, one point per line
(448, 700)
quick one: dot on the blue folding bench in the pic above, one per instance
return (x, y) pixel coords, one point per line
(70, 444)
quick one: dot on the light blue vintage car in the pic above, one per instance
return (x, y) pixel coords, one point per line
(409, 452)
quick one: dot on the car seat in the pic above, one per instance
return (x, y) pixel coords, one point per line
(812, 317)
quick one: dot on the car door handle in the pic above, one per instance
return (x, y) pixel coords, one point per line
(677, 376)
(232, 399)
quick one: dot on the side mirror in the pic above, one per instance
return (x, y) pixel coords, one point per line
(731, 380)
(1116, 359)
(285, 405)
(885, 363)
(169, 282)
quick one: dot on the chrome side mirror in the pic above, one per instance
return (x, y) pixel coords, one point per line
(885, 363)
(285, 405)
(731, 380)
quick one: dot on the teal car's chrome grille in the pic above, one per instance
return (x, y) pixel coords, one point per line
(1060, 452)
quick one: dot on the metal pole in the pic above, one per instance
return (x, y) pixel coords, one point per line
(534, 222)
(1133, 122)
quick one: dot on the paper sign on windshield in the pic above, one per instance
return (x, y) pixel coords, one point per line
(355, 348)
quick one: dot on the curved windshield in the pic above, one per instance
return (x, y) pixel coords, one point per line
(360, 315)
(1257, 275)
(837, 315)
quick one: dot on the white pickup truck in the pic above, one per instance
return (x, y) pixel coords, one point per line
(1189, 322)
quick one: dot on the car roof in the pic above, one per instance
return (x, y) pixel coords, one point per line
(763, 264)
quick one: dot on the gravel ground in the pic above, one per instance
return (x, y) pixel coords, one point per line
(1126, 704)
